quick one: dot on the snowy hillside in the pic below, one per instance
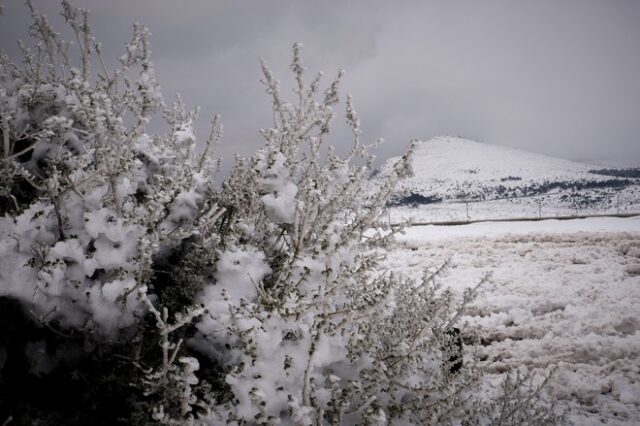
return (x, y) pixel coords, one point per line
(506, 182)
(453, 168)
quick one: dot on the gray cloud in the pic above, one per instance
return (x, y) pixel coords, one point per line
(556, 77)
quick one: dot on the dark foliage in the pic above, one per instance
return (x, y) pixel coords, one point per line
(413, 200)
(626, 173)
(90, 382)
(503, 192)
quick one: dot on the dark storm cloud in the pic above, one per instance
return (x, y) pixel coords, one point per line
(559, 77)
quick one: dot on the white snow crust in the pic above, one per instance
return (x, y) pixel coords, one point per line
(563, 296)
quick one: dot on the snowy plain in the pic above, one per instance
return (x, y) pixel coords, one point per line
(562, 296)
(550, 205)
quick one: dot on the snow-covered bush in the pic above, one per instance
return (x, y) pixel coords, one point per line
(94, 204)
(257, 301)
(311, 330)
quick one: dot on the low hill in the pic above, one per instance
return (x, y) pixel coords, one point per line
(459, 179)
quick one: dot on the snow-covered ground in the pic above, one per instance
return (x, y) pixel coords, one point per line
(547, 205)
(418, 234)
(563, 295)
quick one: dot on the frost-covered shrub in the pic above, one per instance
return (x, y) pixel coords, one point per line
(105, 197)
(258, 301)
(311, 329)
(93, 204)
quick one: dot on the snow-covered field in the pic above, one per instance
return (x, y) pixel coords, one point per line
(563, 295)
(548, 205)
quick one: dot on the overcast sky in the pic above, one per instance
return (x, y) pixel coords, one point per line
(559, 77)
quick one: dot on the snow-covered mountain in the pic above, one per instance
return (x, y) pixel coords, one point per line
(450, 168)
